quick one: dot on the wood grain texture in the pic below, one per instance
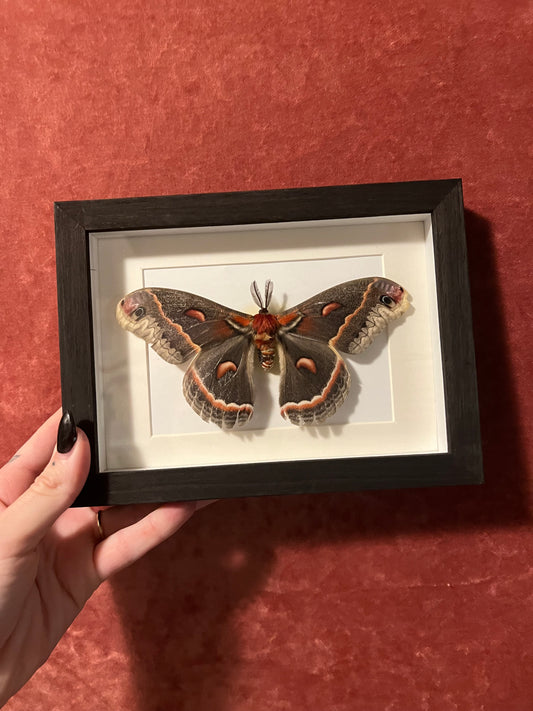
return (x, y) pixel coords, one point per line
(457, 343)
(253, 207)
(442, 198)
(76, 344)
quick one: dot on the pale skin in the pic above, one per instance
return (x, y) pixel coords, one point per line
(51, 556)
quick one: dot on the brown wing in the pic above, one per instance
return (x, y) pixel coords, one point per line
(346, 317)
(178, 325)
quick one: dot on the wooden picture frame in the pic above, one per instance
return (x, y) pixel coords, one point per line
(330, 222)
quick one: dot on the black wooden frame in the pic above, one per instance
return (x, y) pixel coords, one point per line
(462, 464)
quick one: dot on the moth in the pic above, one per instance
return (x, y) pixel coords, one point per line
(224, 344)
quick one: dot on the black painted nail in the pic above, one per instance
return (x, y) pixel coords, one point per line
(66, 433)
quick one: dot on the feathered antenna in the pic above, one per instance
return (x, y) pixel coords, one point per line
(269, 288)
(257, 297)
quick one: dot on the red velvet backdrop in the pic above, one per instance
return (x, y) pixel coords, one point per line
(417, 599)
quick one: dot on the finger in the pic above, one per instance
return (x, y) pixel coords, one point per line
(114, 518)
(127, 545)
(24, 523)
(29, 460)
(206, 502)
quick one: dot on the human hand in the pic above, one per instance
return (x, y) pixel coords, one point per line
(53, 558)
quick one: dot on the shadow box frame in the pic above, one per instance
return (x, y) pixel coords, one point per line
(440, 201)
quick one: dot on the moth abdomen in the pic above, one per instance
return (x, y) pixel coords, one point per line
(266, 346)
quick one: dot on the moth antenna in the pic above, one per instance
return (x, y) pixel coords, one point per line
(269, 288)
(256, 294)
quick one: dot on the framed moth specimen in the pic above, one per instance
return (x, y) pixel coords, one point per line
(347, 364)
(219, 383)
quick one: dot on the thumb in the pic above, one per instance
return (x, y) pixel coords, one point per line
(25, 522)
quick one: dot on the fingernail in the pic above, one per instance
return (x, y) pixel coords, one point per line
(66, 433)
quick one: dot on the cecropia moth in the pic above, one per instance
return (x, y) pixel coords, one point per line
(218, 384)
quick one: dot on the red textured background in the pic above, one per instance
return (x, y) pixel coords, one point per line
(417, 599)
